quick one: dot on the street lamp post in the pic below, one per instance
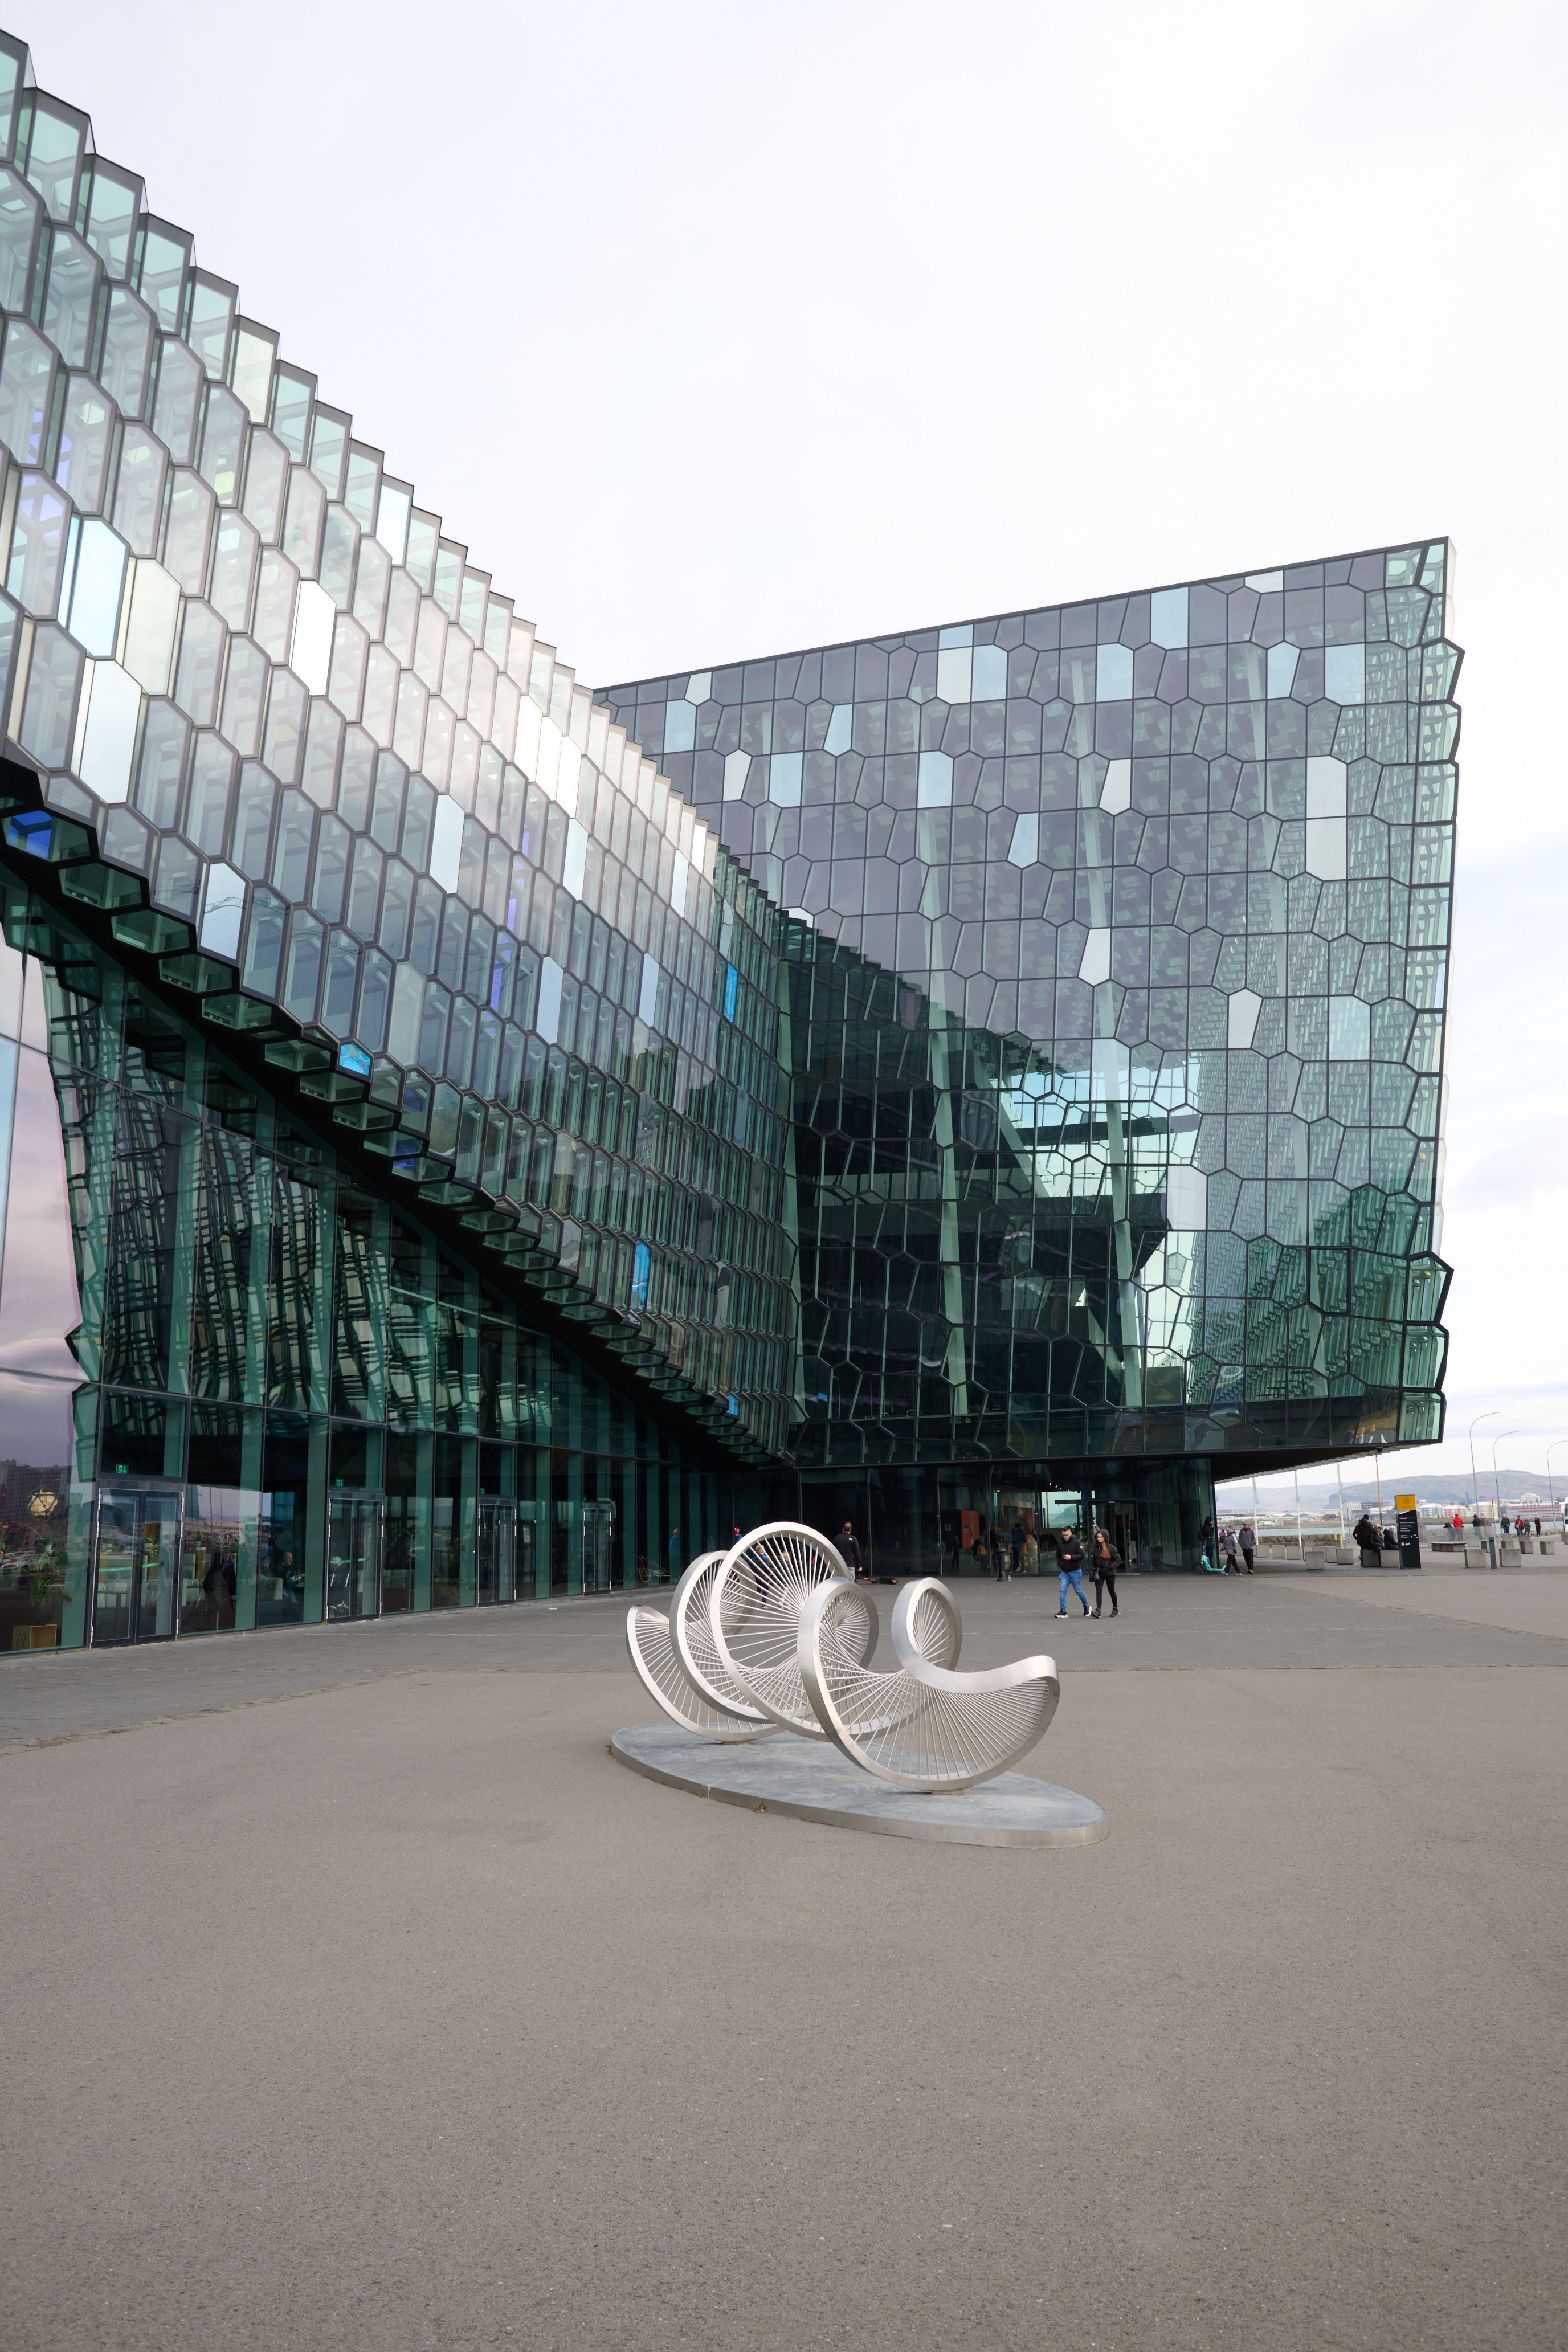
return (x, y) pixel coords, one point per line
(1549, 1452)
(1497, 1493)
(1475, 1497)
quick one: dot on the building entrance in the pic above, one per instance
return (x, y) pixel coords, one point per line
(354, 1556)
(137, 1557)
(497, 1551)
(598, 1546)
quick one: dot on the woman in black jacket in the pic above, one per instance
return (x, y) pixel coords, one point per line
(1107, 1560)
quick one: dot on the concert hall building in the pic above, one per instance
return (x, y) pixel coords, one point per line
(467, 1135)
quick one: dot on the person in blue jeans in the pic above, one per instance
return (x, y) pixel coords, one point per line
(1070, 1569)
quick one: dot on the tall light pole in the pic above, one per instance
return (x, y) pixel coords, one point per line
(1549, 1452)
(1497, 1495)
(1474, 1498)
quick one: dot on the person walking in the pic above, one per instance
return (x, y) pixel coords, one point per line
(1232, 1551)
(1249, 1541)
(1015, 1549)
(849, 1551)
(1107, 1560)
(1069, 1569)
(1000, 1558)
(1029, 1558)
(1366, 1536)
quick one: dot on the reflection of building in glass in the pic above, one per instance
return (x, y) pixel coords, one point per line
(461, 1138)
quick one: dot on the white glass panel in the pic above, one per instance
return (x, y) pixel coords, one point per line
(1168, 616)
(935, 786)
(113, 710)
(96, 591)
(1282, 660)
(783, 778)
(1344, 672)
(310, 654)
(1095, 962)
(447, 843)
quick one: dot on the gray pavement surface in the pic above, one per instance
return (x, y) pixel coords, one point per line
(1166, 1622)
(1524, 1600)
(395, 2015)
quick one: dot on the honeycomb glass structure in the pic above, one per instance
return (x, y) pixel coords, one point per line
(1116, 955)
(463, 1137)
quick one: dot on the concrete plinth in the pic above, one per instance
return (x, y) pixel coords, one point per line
(812, 1780)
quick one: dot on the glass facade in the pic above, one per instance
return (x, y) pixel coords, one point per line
(462, 1137)
(1116, 950)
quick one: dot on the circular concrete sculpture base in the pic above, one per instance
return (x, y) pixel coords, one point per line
(817, 1784)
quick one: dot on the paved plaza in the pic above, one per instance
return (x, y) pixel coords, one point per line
(355, 1998)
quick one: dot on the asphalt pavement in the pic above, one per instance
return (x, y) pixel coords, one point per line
(355, 1998)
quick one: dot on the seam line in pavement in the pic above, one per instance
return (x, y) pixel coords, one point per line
(408, 1673)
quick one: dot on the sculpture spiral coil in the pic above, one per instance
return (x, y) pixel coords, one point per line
(774, 1634)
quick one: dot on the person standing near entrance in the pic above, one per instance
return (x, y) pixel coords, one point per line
(1107, 1560)
(1069, 1569)
(1248, 1542)
(849, 1551)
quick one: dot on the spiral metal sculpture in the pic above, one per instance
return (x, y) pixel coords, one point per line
(677, 1673)
(776, 1635)
(921, 1725)
(754, 1605)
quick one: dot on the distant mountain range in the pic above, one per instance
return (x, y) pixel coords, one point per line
(1361, 1487)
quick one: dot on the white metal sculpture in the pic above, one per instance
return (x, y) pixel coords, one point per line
(776, 1635)
(665, 1659)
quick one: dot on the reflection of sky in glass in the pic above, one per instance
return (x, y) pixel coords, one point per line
(39, 1298)
(36, 1420)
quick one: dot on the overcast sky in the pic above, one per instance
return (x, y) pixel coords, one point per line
(715, 330)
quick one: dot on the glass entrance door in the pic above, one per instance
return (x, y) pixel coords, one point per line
(136, 1561)
(354, 1556)
(497, 1551)
(598, 1546)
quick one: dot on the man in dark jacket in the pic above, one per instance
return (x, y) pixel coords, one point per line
(849, 1550)
(1070, 1569)
(1364, 1534)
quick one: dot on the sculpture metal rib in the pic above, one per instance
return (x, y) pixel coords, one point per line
(923, 1725)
